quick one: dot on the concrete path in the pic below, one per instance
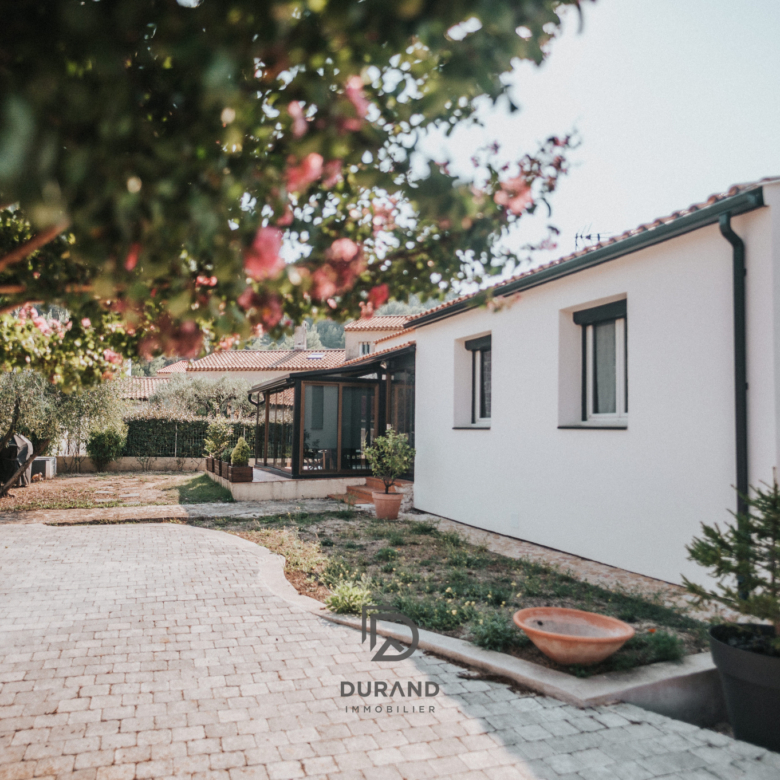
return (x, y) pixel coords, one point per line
(156, 651)
(119, 514)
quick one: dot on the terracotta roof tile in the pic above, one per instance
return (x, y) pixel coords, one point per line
(179, 367)
(378, 322)
(365, 358)
(140, 388)
(269, 360)
(406, 332)
(731, 192)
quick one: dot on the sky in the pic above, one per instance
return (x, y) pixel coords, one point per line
(673, 100)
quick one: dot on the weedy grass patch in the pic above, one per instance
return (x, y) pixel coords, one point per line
(447, 585)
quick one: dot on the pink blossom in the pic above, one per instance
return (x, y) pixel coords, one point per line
(343, 250)
(132, 257)
(206, 281)
(267, 307)
(354, 92)
(515, 195)
(300, 126)
(301, 176)
(332, 173)
(262, 260)
(42, 325)
(378, 295)
(112, 357)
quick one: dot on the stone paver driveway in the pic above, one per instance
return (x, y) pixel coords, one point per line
(154, 651)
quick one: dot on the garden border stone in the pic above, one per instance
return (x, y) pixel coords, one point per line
(689, 691)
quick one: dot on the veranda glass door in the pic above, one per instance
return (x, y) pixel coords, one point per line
(358, 423)
(338, 422)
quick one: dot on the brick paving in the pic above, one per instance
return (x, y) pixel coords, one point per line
(156, 651)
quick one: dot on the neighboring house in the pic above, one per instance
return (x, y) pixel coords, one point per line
(605, 404)
(258, 365)
(361, 335)
(179, 367)
(140, 388)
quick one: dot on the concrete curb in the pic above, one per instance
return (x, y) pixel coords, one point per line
(689, 691)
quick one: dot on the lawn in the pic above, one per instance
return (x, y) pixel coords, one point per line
(89, 491)
(447, 585)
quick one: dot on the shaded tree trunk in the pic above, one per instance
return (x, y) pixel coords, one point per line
(38, 450)
(14, 420)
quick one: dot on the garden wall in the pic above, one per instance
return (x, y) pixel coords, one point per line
(67, 464)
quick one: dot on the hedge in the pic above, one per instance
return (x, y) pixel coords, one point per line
(149, 437)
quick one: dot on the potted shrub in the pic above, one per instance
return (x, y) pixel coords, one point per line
(104, 447)
(216, 442)
(745, 560)
(389, 456)
(240, 470)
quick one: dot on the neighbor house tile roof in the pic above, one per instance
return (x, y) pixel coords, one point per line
(179, 367)
(140, 388)
(407, 332)
(374, 355)
(737, 189)
(378, 322)
(269, 360)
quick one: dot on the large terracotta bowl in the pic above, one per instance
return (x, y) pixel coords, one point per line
(571, 636)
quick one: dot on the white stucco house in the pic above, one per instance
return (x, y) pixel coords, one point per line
(616, 397)
(605, 404)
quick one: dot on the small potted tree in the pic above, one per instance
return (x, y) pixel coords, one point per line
(216, 442)
(240, 470)
(389, 456)
(745, 560)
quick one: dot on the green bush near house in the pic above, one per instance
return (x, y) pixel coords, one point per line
(217, 438)
(240, 455)
(105, 446)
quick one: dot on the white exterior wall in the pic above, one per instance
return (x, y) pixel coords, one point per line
(631, 498)
(353, 339)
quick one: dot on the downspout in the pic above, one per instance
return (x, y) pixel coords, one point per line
(740, 359)
(257, 420)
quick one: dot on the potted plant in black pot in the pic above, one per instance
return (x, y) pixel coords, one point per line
(745, 560)
(389, 456)
(240, 470)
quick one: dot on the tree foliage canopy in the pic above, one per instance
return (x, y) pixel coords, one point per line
(205, 169)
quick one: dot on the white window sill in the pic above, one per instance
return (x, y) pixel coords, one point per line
(596, 426)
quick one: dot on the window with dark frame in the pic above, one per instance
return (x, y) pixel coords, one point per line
(365, 348)
(481, 378)
(604, 363)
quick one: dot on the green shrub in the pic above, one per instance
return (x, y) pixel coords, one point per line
(217, 438)
(435, 615)
(348, 598)
(386, 554)
(240, 456)
(105, 447)
(494, 631)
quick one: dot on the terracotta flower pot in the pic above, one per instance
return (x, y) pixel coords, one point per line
(571, 636)
(388, 505)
